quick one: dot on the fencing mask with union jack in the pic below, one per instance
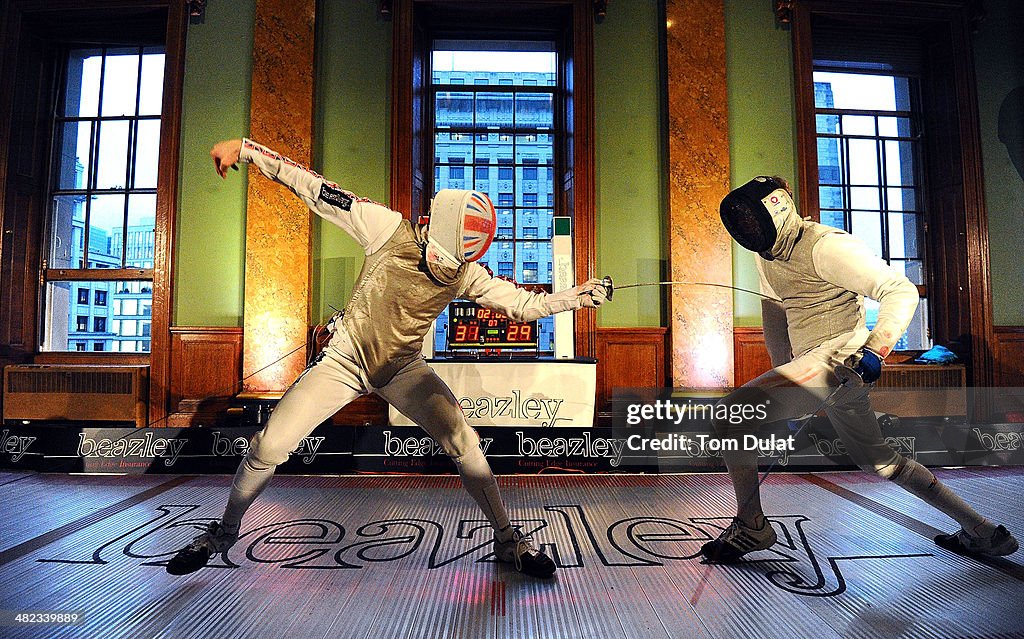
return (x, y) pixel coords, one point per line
(461, 227)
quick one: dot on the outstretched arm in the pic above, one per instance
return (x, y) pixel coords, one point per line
(369, 223)
(522, 305)
(847, 262)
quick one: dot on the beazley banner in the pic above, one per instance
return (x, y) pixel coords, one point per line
(530, 393)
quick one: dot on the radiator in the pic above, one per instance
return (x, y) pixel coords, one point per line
(921, 390)
(75, 393)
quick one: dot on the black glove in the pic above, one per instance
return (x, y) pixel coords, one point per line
(865, 364)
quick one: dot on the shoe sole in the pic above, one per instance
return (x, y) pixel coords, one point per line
(726, 553)
(953, 545)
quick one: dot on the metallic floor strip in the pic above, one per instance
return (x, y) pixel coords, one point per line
(1004, 566)
(11, 481)
(34, 544)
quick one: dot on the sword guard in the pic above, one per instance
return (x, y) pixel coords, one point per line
(608, 285)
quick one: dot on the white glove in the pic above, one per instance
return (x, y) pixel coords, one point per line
(592, 293)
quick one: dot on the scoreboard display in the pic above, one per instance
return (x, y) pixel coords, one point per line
(471, 326)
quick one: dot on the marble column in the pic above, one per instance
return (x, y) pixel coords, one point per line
(278, 225)
(700, 250)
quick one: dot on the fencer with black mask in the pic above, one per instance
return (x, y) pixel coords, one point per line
(410, 274)
(817, 339)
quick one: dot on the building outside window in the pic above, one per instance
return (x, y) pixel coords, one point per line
(105, 159)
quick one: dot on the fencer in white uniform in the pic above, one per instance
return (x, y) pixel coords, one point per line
(410, 274)
(815, 331)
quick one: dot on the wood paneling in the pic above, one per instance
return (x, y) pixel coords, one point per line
(206, 369)
(1008, 355)
(628, 358)
(166, 211)
(206, 366)
(24, 135)
(750, 354)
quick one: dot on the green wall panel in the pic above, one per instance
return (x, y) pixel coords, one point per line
(353, 135)
(762, 136)
(629, 156)
(210, 243)
(999, 65)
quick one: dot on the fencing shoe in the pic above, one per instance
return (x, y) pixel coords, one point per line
(215, 539)
(998, 544)
(519, 550)
(737, 540)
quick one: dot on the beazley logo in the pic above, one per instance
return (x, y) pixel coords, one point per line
(420, 446)
(239, 447)
(582, 446)
(514, 406)
(904, 445)
(15, 445)
(131, 446)
(996, 442)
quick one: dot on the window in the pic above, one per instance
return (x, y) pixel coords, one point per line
(83, 296)
(98, 346)
(99, 324)
(868, 154)
(917, 47)
(82, 324)
(529, 271)
(105, 156)
(868, 144)
(497, 99)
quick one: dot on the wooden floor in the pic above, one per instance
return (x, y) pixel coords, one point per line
(389, 557)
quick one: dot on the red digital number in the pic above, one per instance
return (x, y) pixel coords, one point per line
(513, 332)
(460, 333)
(524, 332)
(474, 333)
(483, 313)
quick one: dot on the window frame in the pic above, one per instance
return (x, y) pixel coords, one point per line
(571, 22)
(84, 272)
(55, 25)
(960, 291)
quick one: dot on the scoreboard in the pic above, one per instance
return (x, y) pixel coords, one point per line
(471, 326)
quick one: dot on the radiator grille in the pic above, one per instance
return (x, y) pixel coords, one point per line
(917, 376)
(73, 382)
